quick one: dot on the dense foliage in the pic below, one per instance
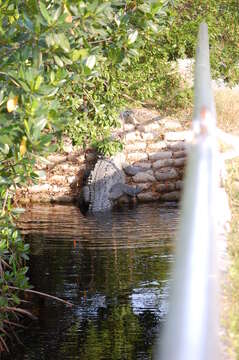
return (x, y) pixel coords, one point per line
(222, 18)
(71, 65)
(60, 66)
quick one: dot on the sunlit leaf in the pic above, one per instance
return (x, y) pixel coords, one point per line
(44, 12)
(38, 82)
(4, 148)
(50, 40)
(58, 61)
(37, 58)
(68, 19)
(12, 104)
(39, 126)
(90, 62)
(57, 13)
(26, 126)
(23, 146)
(132, 37)
(24, 85)
(77, 54)
(63, 42)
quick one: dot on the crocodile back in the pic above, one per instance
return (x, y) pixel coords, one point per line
(105, 175)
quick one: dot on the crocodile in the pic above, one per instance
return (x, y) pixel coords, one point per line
(105, 185)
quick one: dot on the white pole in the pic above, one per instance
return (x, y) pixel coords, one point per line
(191, 330)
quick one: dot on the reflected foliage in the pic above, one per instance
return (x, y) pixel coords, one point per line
(115, 275)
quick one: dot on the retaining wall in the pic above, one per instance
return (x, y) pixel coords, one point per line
(153, 158)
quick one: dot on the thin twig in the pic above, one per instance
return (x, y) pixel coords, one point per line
(14, 324)
(5, 263)
(19, 310)
(4, 203)
(15, 334)
(43, 294)
(130, 98)
(108, 40)
(4, 344)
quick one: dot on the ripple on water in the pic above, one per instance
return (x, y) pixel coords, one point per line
(142, 226)
(114, 268)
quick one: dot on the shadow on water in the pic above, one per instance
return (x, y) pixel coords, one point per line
(113, 267)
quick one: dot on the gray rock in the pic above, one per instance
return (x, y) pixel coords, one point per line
(177, 135)
(148, 136)
(160, 155)
(144, 177)
(163, 163)
(144, 186)
(39, 188)
(177, 146)
(172, 124)
(129, 127)
(179, 162)
(165, 187)
(136, 146)
(171, 196)
(137, 156)
(156, 146)
(179, 185)
(166, 174)
(148, 196)
(179, 154)
(132, 170)
(132, 136)
(144, 165)
(151, 126)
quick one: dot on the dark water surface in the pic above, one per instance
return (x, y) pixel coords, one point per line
(114, 268)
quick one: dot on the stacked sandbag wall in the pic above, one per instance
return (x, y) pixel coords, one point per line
(153, 159)
(154, 155)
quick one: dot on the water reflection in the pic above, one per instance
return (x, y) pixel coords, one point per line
(113, 267)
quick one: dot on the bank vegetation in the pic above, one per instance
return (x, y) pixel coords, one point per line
(69, 67)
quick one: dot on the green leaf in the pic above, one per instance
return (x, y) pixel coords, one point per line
(52, 76)
(5, 139)
(1, 96)
(24, 85)
(145, 8)
(63, 42)
(58, 61)
(53, 92)
(57, 13)
(132, 37)
(39, 126)
(38, 82)
(37, 58)
(50, 40)
(26, 127)
(153, 26)
(66, 60)
(4, 149)
(77, 54)
(90, 62)
(28, 23)
(45, 13)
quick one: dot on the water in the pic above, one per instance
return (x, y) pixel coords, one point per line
(114, 268)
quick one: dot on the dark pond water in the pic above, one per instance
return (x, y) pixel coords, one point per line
(114, 268)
